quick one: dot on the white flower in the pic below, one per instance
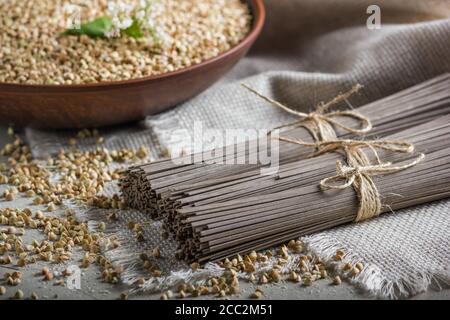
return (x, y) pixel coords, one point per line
(145, 12)
(126, 23)
(111, 7)
(122, 6)
(114, 33)
(140, 15)
(115, 22)
(151, 23)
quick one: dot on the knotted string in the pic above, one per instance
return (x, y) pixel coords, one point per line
(320, 123)
(360, 178)
(359, 171)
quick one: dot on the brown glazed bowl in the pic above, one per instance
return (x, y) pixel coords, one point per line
(109, 103)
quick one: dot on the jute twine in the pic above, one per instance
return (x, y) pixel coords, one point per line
(320, 123)
(359, 171)
(360, 177)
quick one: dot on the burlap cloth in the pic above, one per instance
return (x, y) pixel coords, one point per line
(309, 51)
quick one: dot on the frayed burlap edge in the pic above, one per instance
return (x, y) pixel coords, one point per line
(371, 279)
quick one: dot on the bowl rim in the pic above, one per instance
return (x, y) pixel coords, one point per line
(259, 15)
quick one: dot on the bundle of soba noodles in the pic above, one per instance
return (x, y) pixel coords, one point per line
(216, 211)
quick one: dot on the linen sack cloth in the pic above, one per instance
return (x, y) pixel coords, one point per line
(309, 52)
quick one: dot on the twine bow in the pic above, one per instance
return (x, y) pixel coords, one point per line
(360, 177)
(359, 172)
(320, 122)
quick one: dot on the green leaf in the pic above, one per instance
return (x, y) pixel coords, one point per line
(135, 30)
(96, 28)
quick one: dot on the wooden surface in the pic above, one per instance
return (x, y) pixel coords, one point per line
(101, 104)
